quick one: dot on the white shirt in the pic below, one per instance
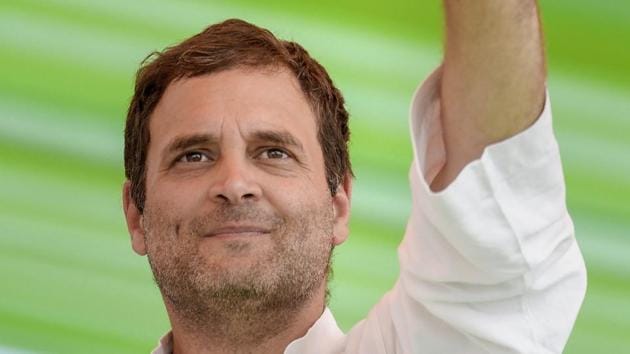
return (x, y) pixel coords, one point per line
(488, 265)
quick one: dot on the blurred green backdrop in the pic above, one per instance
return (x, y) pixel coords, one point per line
(69, 282)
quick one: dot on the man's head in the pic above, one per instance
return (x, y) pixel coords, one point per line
(226, 45)
(238, 175)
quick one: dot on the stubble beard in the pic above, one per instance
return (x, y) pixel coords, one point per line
(240, 305)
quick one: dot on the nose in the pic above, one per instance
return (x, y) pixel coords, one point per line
(234, 182)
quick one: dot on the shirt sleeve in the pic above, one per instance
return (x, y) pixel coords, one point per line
(488, 265)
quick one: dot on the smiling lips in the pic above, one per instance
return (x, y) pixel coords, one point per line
(231, 231)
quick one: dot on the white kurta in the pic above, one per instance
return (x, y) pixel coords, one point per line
(488, 265)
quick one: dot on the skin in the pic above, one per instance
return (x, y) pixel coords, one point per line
(493, 82)
(492, 87)
(238, 170)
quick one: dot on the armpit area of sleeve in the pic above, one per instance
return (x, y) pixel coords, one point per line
(505, 210)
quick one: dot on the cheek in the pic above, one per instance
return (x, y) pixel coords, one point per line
(167, 238)
(164, 218)
(292, 199)
(174, 196)
(161, 224)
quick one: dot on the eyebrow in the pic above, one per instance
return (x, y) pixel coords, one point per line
(282, 138)
(187, 141)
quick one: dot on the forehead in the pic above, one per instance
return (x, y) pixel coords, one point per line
(243, 98)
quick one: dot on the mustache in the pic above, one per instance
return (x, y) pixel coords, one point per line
(234, 214)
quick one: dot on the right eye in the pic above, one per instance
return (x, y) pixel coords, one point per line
(193, 156)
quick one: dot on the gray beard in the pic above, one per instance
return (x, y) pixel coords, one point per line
(240, 308)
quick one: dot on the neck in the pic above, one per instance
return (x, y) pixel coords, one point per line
(246, 328)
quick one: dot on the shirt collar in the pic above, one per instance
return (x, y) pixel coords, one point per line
(165, 345)
(323, 337)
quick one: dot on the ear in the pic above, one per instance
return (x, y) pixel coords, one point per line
(134, 221)
(341, 207)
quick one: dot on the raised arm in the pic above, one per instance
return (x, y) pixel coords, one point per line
(493, 79)
(490, 264)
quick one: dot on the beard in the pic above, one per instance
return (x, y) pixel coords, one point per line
(248, 292)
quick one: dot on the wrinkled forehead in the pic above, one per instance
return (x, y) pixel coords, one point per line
(244, 98)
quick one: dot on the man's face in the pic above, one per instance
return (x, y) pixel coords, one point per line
(237, 205)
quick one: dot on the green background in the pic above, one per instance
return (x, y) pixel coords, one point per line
(69, 282)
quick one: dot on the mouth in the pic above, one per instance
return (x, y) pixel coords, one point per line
(238, 231)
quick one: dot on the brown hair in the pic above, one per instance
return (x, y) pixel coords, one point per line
(222, 46)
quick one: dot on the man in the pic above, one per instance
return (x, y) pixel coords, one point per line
(239, 187)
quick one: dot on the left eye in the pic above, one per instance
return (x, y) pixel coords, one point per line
(274, 154)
